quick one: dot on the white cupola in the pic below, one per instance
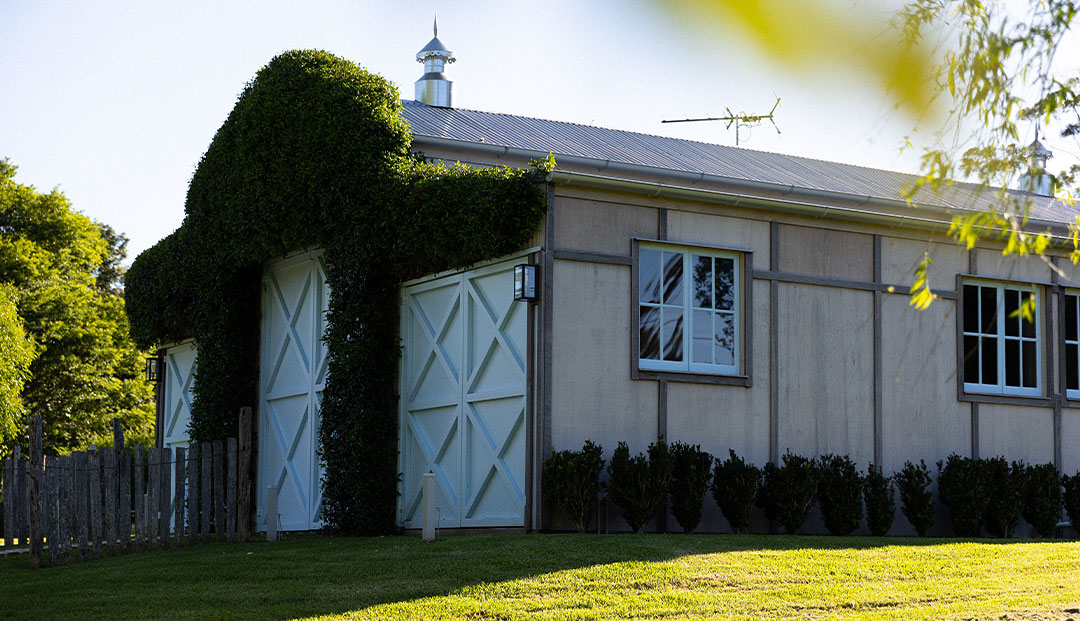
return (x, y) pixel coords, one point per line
(1037, 180)
(433, 88)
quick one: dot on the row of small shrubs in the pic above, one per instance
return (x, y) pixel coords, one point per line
(980, 493)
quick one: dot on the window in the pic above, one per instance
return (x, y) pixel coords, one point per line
(688, 311)
(1002, 348)
(1072, 344)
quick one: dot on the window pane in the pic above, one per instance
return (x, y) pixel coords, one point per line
(725, 284)
(702, 281)
(989, 360)
(725, 339)
(988, 296)
(971, 309)
(649, 276)
(1029, 324)
(673, 278)
(649, 333)
(703, 333)
(1070, 317)
(1031, 364)
(1012, 312)
(673, 334)
(1072, 378)
(1012, 362)
(971, 359)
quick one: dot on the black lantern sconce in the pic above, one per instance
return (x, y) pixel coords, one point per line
(153, 368)
(525, 283)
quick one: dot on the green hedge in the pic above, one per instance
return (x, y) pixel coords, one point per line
(315, 154)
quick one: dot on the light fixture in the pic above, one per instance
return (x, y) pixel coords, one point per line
(525, 283)
(153, 369)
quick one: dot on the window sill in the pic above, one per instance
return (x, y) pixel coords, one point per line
(691, 378)
(1003, 399)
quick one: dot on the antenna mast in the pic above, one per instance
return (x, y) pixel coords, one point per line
(738, 119)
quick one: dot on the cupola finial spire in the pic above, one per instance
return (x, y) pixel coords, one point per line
(433, 88)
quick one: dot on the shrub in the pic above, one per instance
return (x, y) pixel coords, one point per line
(1006, 486)
(639, 484)
(691, 468)
(1042, 503)
(1072, 498)
(916, 500)
(789, 491)
(962, 485)
(571, 480)
(735, 487)
(839, 491)
(880, 497)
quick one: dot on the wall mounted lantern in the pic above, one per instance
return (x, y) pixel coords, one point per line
(153, 368)
(525, 289)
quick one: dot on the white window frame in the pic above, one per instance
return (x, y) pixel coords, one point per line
(686, 365)
(1000, 388)
(1070, 296)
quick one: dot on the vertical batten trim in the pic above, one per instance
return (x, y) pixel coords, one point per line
(774, 338)
(547, 334)
(1058, 323)
(878, 404)
(662, 225)
(661, 432)
(975, 429)
(531, 448)
(973, 268)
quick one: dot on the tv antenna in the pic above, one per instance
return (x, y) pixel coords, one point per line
(738, 119)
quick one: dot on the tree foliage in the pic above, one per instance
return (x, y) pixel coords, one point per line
(61, 271)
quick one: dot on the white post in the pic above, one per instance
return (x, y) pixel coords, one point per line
(429, 507)
(271, 513)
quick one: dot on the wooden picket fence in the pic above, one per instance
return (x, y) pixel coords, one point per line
(106, 502)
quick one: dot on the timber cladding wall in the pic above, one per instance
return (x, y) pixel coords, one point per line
(839, 360)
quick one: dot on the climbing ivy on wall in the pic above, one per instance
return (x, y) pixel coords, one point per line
(315, 154)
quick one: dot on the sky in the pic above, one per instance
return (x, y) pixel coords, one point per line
(114, 102)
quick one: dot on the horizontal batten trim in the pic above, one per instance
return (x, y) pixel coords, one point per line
(593, 257)
(842, 283)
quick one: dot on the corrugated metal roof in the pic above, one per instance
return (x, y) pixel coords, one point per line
(688, 156)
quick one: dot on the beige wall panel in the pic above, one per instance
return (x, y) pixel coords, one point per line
(1070, 441)
(826, 371)
(699, 228)
(1071, 277)
(824, 252)
(595, 226)
(921, 417)
(900, 257)
(593, 397)
(992, 264)
(1017, 432)
(728, 417)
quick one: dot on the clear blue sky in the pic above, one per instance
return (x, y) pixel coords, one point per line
(114, 102)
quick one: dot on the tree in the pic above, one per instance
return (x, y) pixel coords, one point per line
(62, 271)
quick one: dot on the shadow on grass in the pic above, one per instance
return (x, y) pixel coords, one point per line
(310, 575)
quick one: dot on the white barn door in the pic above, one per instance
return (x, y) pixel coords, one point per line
(292, 374)
(463, 394)
(178, 383)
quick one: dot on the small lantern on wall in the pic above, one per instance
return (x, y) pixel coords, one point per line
(525, 283)
(153, 369)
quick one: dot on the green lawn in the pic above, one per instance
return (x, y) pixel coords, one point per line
(560, 577)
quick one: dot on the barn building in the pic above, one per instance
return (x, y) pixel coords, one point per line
(704, 293)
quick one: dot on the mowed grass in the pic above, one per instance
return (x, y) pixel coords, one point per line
(562, 577)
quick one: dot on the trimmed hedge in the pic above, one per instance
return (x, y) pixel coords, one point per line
(839, 491)
(315, 154)
(691, 469)
(735, 488)
(1042, 499)
(963, 484)
(916, 500)
(1008, 487)
(571, 480)
(789, 491)
(879, 494)
(639, 484)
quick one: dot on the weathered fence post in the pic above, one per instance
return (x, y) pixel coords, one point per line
(180, 454)
(165, 479)
(123, 494)
(22, 480)
(271, 513)
(205, 505)
(66, 474)
(243, 502)
(153, 488)
(82, 500)
(193, 494)
(96, 526)
(36, 472)
(9, 501)
(219, 491)
(51, 509)
(108, 477)
(140, 498)
(230, 487)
